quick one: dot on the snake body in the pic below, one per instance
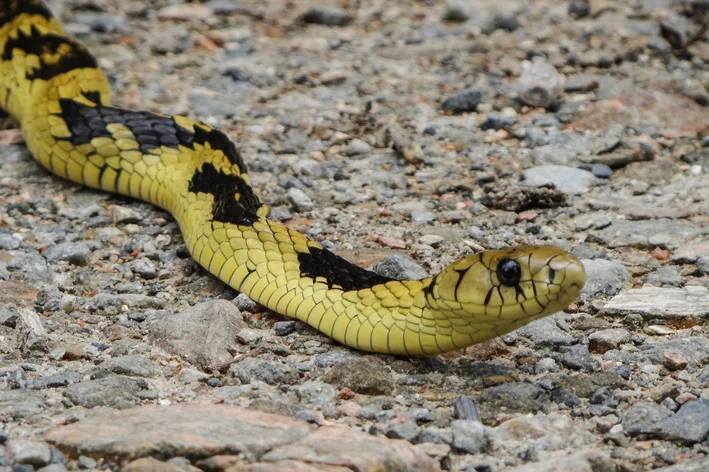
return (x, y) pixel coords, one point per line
(52, 85)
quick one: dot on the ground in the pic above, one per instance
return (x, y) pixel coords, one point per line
(411, 132)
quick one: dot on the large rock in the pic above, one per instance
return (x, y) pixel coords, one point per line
(117, 391)
(204, 334)
(214, 431)
(691, 301)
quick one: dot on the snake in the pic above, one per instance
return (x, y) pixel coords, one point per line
(52, 86)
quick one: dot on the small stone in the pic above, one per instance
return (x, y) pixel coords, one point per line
(85, 462)
(432, 240)
(356, 147)
(579, 9)
(184, 12)
(283, 328)
(123, 215)
(407, 431)
(144, 268)
(462, 102)
(498, 122)
(327, 15)
(367, 375)
(566, 179)
(300, 200)
(393, 243)
(257, 369)
(602, 171)
(464, 409)
(639, 418)
(74, 253)
(29, 452)
(540, 84)
(607, 339)
(9, 242)
(132, 366)
(469, 437)
(675, 361)
(456, 11)
(315, 393)
(690, 425)
(117, 391)
(400, 267)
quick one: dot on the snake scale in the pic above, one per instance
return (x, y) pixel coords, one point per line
(52, 85)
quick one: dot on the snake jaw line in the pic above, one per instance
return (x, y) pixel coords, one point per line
(53, 86)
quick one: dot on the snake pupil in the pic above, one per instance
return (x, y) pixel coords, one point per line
(509, 272)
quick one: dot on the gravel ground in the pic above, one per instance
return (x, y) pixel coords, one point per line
(411, 132)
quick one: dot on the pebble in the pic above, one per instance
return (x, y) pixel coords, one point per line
(254, 369)
(469, 437)
(327, 15)
(400, 267)
(690, 425)
(283, 328)
(407, 431)
(315, 393)
(497, 122)
(74, 253)
(185, 12)
(607, 339)
(123, 215)
(462, 102)
(9, 242)
(456, 11)
(300, 200)
(366, 376)
(540, 84)
(356, 148)
(29, 452)
(566, 179)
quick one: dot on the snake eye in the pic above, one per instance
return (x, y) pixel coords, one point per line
(509, 272)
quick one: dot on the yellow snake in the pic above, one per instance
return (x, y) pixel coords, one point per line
(51, 84)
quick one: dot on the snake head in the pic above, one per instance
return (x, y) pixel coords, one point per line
(498, 291)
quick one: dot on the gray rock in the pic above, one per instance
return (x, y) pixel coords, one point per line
(513, 397)
(690, 302)
(464, 409)
(132, 366)
(244, 303)
(144, 268)
(690, 425)
(578, 358)
(579, 9)
(638, 419)
(366, 375)
(9, 242)
(551, 432)
(588, 460)
(19, 404)
(540, 84)
(584, 385)
(33, 267)
(665, 276)
(647, 234)
(695, 349)
(356, 147)
(333, 358)
(607, 339)
(546, 332)
(327, 15)
(552, 154)
(566, 179)
(116, 392)
(315, 393)
(124, 215)
(85, 462)
(300, 200)
(696, 465)
(53, 468)
(29, 452)
(400, 267)
(204, 334)
(498, 122)
(423, 216)
(73, 253)
(462, 102)
(407, 431)
(254, 369)
(536, 137)
(703, 265)
(131, 300)
(457, 11)
(603, 278)
(469, 437)
(54, 381)
(283, 328)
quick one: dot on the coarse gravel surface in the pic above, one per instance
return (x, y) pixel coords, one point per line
(402, 135)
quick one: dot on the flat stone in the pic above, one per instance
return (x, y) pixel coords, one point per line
(132, 366)
(546, 332)
(690, 425)
(551, 432)
(254, 369)
(366, 375)
(589, 460)
(603, 278)
(131, 300)
(689, 253)
(647, 234)
(117, 391)
(690, 302)
(340, 447)
(18, 404)
(512, 397)
(29, 452)
(204, 334)
(400, 267)
(17, 293)
(152, 430)
(149, 464)
(469, 437)
(73, 253)
(462, 102)
(607, 339)
(697, 465)
(566, 179)
(638, 419)
(584, 385)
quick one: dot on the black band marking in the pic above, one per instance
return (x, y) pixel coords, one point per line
(337, 271)
(224, 188)
(10, 9)
(219, 141)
